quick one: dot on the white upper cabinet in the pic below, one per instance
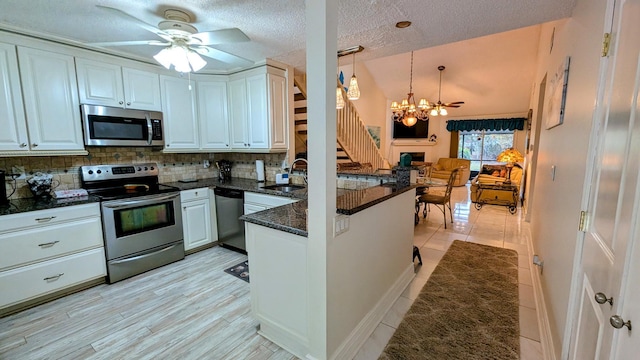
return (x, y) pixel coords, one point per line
(213, 116)
(258, 107)
(181, 128)
(101, 83)
(50, 100)
(13, 136)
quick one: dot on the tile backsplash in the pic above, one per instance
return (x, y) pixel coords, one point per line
(173, 167)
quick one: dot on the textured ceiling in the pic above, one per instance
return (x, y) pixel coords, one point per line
(277, 31)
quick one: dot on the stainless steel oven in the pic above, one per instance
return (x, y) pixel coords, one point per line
(141, 219)
(141, 233)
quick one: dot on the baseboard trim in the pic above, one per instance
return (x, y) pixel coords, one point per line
(350, 346)
(546, 339)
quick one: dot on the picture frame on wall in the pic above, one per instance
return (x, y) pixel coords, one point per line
(556, 95)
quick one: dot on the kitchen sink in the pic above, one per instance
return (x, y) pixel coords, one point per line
(284, 187)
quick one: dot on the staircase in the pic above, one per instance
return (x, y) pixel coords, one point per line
(354, 144)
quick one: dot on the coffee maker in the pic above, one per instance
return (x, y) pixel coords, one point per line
(3, 187)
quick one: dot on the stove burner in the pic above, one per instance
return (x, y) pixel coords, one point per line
(110, 182)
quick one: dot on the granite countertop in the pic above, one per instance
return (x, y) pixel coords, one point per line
(240, 184)
(17, 206)
(292, 218)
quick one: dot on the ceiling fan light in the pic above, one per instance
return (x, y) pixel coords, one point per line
(339, 99)
(164, 57)
(434, 112)
(443, 112)
(195, 60)
(354, 90)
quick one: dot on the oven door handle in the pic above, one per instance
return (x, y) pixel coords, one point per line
(121, 204)
(149, 129)
(134, 258)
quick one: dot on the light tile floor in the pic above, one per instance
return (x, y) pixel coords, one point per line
(492, 225)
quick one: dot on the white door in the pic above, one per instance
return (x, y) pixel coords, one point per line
(196, 223)
(179, 114)
(612, 206)
(213, 115)
(12, 121)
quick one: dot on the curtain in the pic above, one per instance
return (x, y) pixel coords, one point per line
(486, 124)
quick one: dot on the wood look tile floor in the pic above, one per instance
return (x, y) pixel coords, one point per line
(192, 309)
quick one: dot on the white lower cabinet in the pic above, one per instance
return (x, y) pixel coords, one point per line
(254, 202)
(198, 218)
(49, 250)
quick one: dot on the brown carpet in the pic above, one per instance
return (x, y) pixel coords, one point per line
(468, 309)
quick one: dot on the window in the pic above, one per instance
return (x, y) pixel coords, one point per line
(483, 147)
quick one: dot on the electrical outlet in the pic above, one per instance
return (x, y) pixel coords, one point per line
(19, 170)
(340, 224)
(206, 164)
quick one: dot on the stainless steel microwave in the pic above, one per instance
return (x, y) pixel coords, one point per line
(110, 126)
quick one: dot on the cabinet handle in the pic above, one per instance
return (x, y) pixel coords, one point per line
(54, 277)
(34, 145)
(168, 145)
(618, 322)
(45, 219)
(227, 145)
(120, 102)
(23, 145)
(602, 298)
(48, 244)
(184, 208)
(128, 103)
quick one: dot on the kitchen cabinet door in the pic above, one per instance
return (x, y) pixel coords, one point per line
(238, 113)
(278, 111)
(141, 89)
(179, 113)
(99, 83)
(13, 136)
(196, 223)
(106, 84)
(258, 112)
(213, 115)
(50, 100)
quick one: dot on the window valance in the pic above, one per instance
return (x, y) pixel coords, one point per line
(486, 124)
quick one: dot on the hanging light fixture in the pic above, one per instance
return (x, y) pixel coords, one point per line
(441, 108)
(339, 98)
(182, 58)
(407, 112)
(354, 90)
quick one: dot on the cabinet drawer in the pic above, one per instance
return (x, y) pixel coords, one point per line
(35, 244)
(193, 194)
(268, 201)
(48, 217)
(42, 278)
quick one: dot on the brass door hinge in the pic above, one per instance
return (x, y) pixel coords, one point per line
(583, 221)
(605, 44)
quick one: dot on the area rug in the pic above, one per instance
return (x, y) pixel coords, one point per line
(468, 309)
(241, 271)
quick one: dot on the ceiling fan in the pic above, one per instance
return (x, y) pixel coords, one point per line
(439, 108)
(182, 41)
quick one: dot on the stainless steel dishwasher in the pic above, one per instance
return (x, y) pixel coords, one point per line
(229, 207)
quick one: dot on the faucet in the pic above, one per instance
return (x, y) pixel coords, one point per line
(304, 171)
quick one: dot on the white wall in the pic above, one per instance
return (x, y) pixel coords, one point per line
(557, 202)
(372, 102)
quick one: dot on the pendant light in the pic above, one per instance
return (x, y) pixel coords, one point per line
(339, 98)
(354, 90)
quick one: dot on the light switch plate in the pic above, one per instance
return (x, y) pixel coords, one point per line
(340, 224)
(553, 173)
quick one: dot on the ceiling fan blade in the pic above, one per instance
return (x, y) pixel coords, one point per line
(453, 104)
(138, 22)
(127, 43)
(222, 56)
(224, 36)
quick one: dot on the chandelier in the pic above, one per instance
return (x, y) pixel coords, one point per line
(407, 112)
